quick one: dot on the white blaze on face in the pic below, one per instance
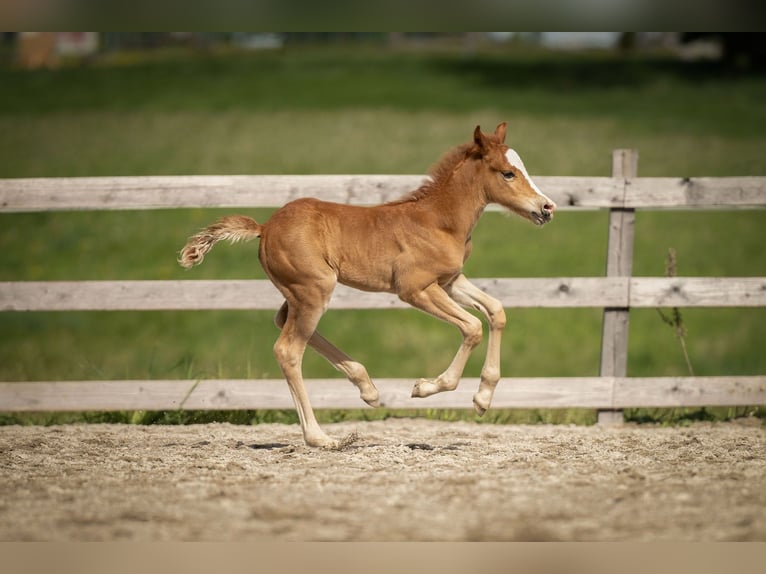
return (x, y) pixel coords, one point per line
(515, 160)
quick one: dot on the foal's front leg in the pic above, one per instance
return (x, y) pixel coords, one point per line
(435, 301)
(467, 294)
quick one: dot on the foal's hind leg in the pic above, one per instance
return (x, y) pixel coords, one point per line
(299, 326)
(467, 294)
(354, 371)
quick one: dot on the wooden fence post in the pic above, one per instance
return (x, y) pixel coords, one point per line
(619, 263)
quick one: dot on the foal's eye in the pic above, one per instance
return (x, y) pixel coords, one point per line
(508, 175)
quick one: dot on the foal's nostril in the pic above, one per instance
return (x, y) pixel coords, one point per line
(549, 208)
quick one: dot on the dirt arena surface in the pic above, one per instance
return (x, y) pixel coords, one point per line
(403, 479)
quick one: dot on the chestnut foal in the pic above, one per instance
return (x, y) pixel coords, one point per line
(414, 247)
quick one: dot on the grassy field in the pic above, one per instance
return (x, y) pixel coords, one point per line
(368, 110)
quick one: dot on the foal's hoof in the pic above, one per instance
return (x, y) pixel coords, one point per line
(372, 399)
(322, 442)
(427, 387)
(332, 444)
(480, 404)
(326, 443)
(424, 388)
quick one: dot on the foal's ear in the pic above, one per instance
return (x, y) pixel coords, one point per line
(477, 135)
(479, 138)
(500, 132)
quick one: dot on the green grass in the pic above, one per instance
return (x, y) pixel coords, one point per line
(365, 110)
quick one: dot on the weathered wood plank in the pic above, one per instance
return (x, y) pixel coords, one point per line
(588, 192)
(85, 193)
(695, 192)
(690, 391)
(698, 291)
(557, 291)
(137, 295)
(93, 395)
(608, 292)
(619, 263)
(542, 392)
(154, 192)
(261, 294)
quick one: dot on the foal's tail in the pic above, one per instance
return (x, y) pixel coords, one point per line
(232, 228)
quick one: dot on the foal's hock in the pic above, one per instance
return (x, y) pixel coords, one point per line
(415, 247)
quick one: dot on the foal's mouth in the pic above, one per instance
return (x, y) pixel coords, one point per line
(540, 218)
(543, 214)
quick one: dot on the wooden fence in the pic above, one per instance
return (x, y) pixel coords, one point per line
(616, 293)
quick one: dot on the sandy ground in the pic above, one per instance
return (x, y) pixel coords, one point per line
(402, 480)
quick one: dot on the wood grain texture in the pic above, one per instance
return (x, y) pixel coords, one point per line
(619, 263)
(537, 392)
(90, 193)
(608, 292)
(698, 291)
(261, 294)
(696, 192)
(154, 192)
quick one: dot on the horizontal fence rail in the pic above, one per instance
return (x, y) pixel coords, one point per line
(163, 192)
(616, 293)
(262, 295)
(535, 392)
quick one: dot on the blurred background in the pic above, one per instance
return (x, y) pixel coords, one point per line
(111, 104)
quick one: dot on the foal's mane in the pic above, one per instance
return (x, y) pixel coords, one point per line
(440, 172)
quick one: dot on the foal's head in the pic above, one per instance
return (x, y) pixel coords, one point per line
(506, 180)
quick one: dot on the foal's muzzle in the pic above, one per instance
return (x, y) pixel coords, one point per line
(545, 214)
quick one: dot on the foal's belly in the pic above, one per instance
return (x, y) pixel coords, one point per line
(366, 276)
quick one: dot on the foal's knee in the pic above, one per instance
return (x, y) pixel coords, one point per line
(497, 318)
(495, 313)
(472, 334)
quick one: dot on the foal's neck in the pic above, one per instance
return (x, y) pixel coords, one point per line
(462, 197)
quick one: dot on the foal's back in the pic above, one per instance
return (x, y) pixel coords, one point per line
(363, 247)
